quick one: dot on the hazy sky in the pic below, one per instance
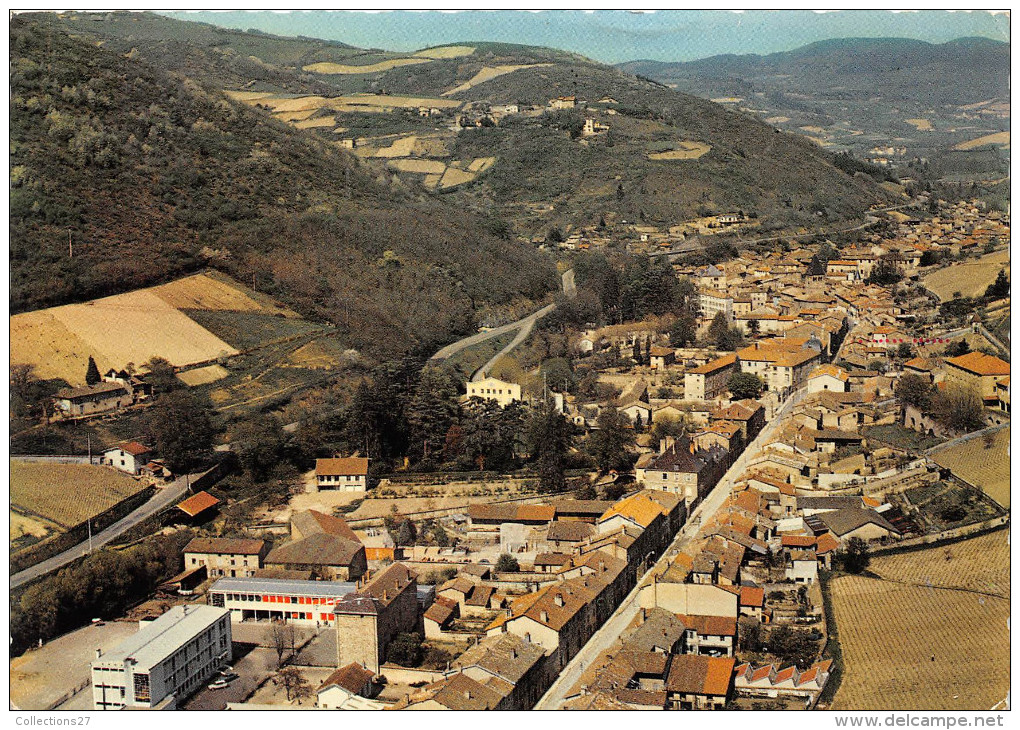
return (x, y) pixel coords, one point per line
(613, 36)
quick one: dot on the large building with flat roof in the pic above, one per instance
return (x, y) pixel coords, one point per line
(302, 602)
(164, 662)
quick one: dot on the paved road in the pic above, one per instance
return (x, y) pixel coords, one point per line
(162, 499)
(610, 631)
(567, 282)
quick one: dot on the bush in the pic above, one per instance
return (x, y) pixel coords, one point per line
(405, 650)
(507, 563)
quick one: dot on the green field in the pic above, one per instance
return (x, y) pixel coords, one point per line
(901, 437)
(248, 330)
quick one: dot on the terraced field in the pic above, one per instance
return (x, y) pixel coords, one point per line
(970, 278)
(67, 494)
(931, 633)
(987, 468)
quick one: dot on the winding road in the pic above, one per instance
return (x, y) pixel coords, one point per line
(611, 630)
(524, 326)
(159, 501)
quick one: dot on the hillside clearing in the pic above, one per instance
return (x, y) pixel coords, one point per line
(117, 330)
(921, 125)
(970, 278)
(314, 123)
(446, 52)
(684, 151)
(204, 375)
(42, 489)
(987, 469)
(488, 73)
(342, 69)
(1000, 138)
(919, 648)
(420, 166)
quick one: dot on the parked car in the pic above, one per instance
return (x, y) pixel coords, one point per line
(219, 684)
(228, 676)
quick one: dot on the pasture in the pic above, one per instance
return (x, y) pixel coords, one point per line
(68, 494)
(986, 468)
(970, 278)
(683, 151)
(488, 73)
(372, 68)
(915, 647)
(446, 52)
(203, 375)
(999, 138)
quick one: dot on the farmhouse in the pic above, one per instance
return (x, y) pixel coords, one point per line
(88, 400)
(198, 505)
(342, 475)
(828, 377)
(131, 457)
(866, 524)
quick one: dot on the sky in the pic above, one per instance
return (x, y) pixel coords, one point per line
(615, 36)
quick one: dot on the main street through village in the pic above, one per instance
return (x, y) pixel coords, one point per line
(607, 635)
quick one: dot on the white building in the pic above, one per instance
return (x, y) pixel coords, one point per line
(129, 457)
(342, 475)
(712, 303)
(301, 602)
(164, 662)
(494, 389)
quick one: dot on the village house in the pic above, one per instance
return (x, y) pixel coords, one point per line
(709, 380)
(131, 457)
(828, 377)
(342, 475)
(322, 544)
(978, 372)
(780, 366)
(850, 522)
(439, 617)
(494, 389)
(771, 681)
(748, 414)
(508, 663)
(226, 556)
(563, 102)
(700, 682)
(661, 358)
(343, 689)
(686, 471)
(709, 635)
(368, 619)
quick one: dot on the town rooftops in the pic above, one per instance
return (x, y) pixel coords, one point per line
(349, 466)
(980, 364)
(752, 596)
(157, 640)
(284, 587)
(700, 675)
(581, 507)
(489, 513)
(460, 692)
(569, 531)
(225, 546)
(316, 549)
(507, 656)
(310, 522)
(710, 625)
(197, 504)
(638, 508)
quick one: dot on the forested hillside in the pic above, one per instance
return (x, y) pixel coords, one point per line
(153, 175)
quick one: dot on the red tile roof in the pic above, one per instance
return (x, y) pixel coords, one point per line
(198, 503)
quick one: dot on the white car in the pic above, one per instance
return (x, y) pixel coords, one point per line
(219, 684)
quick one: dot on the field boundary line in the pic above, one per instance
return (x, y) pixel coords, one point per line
(959, 589)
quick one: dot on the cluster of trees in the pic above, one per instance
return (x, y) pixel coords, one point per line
(885, 272)
(957, 408)
(104, 585)
(633, 288)
(724, 336)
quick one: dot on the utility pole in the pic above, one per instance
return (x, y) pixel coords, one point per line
(70, 246)
(89, 523)
(88, 439)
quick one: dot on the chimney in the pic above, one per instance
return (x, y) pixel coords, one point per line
(385, 594)
(467, 694)
(513, 653)
(691, 445)
(544, 616)
(99, 653)
(558, 600)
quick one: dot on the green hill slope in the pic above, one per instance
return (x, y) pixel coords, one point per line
(541, 160)
(155, 175)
